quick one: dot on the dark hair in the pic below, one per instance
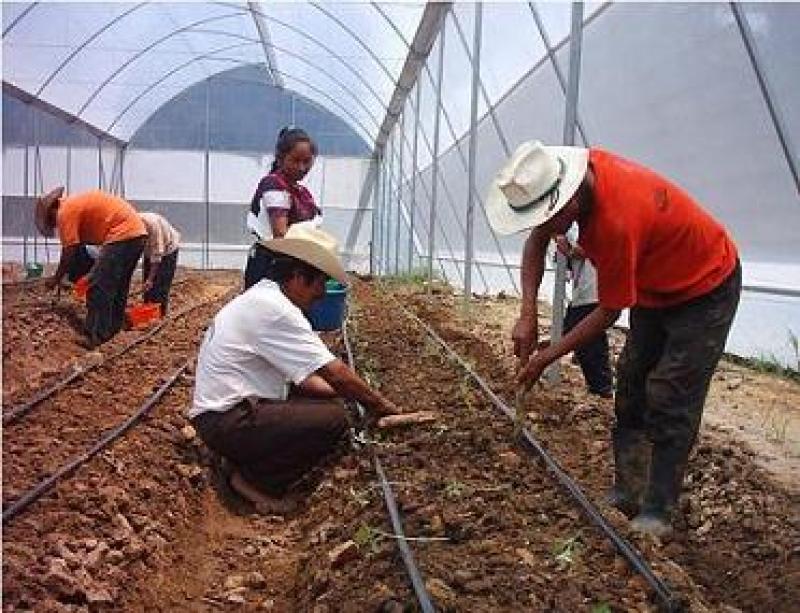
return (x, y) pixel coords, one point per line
(288, 137)
(283, 267)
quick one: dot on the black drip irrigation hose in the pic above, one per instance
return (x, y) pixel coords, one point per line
(15, 414)
(68, 469)
(412, 570)
(668, 600)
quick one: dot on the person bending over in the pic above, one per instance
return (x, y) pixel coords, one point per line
(96, 218)
(656, 252)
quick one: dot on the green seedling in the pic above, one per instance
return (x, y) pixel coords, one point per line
(360, 496)
(567, 551)
(454, 489)
(440, 430)
(367, 537)
(601, 607)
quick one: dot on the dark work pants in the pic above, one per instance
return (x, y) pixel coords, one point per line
(80, 264)
(108, 288)
(663, 375)
(593, 356)
(273, 444)
(259, 259)
(162, 282)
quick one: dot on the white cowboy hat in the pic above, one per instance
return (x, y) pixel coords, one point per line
(41, 214)
(311, 245)
(534, 184)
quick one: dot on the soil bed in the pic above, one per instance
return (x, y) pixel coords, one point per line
(143, 526)
(738, 531)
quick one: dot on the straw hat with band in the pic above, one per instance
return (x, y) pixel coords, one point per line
(41, 214)
(311, 245)
(534, 184)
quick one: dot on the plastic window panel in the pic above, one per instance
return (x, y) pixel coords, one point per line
(511, 45)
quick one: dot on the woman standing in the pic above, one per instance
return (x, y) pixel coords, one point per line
(280, 200)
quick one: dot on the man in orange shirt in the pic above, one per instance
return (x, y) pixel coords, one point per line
(656, 252)
(95, 218)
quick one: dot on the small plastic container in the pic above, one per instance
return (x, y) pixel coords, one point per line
(327, 313)
(33, 270)
(81, 288)
(142, 315)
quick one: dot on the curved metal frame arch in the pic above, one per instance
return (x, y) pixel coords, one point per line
(84, 44)
(274, 46)
(307, 84)
(240, 11)
(322, 46)
(250, 41)
(357, 38)
(152, 45)
(153, 85)
(19, 18)
(391, 23)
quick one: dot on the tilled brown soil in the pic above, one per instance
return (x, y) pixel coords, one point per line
(53, 550)
(143, 527)
(40, 337)
(738, 534)
(510, 538)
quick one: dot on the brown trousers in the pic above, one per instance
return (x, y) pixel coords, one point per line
(274, 443)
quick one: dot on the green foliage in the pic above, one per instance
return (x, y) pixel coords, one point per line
(367, 537)
(567, 551)
(601, 607)
(415, 276)
(454, 489)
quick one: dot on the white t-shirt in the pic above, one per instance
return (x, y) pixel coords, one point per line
(584, 275)
(257, 344)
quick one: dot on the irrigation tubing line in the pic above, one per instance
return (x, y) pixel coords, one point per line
(68, 469)
(412, 570)
(594, 514)
(20, 411)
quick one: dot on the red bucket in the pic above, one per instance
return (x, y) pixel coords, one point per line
(81, 288)
(142, 315)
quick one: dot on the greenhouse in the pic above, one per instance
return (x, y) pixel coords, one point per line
(399, 306)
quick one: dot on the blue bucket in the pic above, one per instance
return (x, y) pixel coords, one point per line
(327, 313)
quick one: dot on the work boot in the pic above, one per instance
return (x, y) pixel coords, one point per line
(666, 477)
(631, 465)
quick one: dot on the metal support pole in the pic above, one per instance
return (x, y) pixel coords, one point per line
(473, 145)
(384, 200)
(556, 68)
(206, 183)
(376, 192)
(37, 170)
(387, 214)
(435, 161)
(100, 170)
(766, 91)
(414, 180)
(122, 152)
(26, 183)
(400, 184)
(570, 116)
(68, 174)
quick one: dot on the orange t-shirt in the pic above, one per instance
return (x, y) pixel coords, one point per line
(651, 243)
(96, 217)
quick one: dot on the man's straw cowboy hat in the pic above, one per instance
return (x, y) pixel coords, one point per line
(534, 184)
(311, 245)
(41, 215)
